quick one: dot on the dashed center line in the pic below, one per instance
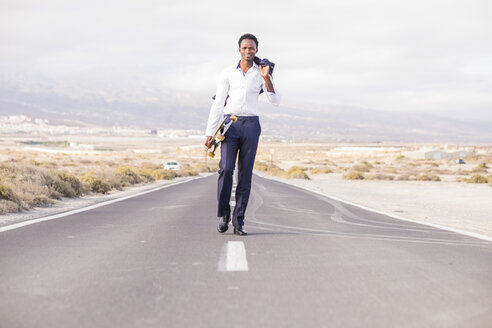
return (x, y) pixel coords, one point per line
(233, 257)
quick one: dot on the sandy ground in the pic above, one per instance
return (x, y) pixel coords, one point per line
(68, 204)
(451, 204)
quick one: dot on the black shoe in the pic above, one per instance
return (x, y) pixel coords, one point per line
(239, 230)
(224, 223)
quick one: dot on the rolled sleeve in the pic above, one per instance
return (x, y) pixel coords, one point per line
(273, 97)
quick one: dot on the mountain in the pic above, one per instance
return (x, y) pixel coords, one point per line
(328, 123)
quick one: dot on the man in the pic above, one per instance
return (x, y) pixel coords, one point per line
(242, 83)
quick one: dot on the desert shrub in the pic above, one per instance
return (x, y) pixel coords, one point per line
(128, 174)
(96, 183)
(207, 167)
(352, 175)
(399, 157)
(6, 193)
(477, 178)
(187, 172)
(379, 176)
(68, 185)
(360, 168)
(427, 177)
(145, 173)
(403, 177)
(320, 170)
(368, 165)
(261, 166)
(480, 168)
(297, 168)
(278, 172)
(390, 170)
(7, 206)
(296, 172)
(161, 174)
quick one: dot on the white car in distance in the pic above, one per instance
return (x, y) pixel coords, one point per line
(171, 165)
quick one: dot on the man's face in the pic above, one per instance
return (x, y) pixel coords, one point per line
(247, 49)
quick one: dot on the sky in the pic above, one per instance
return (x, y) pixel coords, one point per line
(427, 56)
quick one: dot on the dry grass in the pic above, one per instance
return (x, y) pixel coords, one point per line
(37, 179)
(353, 175)
(34, 178)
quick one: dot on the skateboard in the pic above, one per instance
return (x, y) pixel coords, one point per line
(219, 135)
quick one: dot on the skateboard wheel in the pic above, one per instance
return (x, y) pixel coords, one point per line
(211, 155)
(233, 118)
(221, 137)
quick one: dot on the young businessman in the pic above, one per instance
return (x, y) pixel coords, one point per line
(240, 85)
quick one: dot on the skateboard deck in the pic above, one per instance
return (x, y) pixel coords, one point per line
(219, 135)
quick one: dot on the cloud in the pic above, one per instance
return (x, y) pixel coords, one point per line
(430, 56)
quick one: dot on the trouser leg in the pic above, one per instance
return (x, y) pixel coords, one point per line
(248, 143)
(228, 151)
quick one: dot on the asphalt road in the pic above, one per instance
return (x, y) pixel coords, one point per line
(156, 260)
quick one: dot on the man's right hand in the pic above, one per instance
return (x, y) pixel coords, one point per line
(208, 142)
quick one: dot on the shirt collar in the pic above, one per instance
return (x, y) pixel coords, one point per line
(239, 62)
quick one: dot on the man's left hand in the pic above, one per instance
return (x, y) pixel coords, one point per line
(264, 70)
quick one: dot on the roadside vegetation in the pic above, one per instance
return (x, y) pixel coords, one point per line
(387, 165)
(26, 184)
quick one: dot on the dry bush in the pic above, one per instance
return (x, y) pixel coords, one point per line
(277, 172)
(403, 177)
(189, 172)
(390, 170)
(96, 183)
(320, 170)
(200, 167)
(360, 168)
(477, 178)
(68, 185)
(426, 177)
(33, 186)
(161, 174)
(296, 172)
(480, 168)
(7, 206)
(261, 166)
(128, 174)
(353, 176)
(379, 176)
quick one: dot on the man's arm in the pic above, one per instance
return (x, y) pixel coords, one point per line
(217, 109)
(272, 94)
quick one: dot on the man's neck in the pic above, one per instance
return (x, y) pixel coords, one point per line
(245, 65)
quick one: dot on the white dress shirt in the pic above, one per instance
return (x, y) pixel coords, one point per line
(243, 89)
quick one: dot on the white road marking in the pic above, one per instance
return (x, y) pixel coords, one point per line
(79, 210)
(398, 217)
(233, 257)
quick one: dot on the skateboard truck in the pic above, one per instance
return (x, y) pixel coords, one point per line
(219, 135)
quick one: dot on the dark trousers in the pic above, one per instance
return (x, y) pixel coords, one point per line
(241, 142)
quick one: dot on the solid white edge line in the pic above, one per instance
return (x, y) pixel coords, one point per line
(456, 230)
(87, 208)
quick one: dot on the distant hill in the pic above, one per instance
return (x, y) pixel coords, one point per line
(328, 124)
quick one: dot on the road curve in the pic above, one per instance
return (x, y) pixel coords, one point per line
(156, 260)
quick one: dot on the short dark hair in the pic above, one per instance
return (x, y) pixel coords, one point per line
(248, 36)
